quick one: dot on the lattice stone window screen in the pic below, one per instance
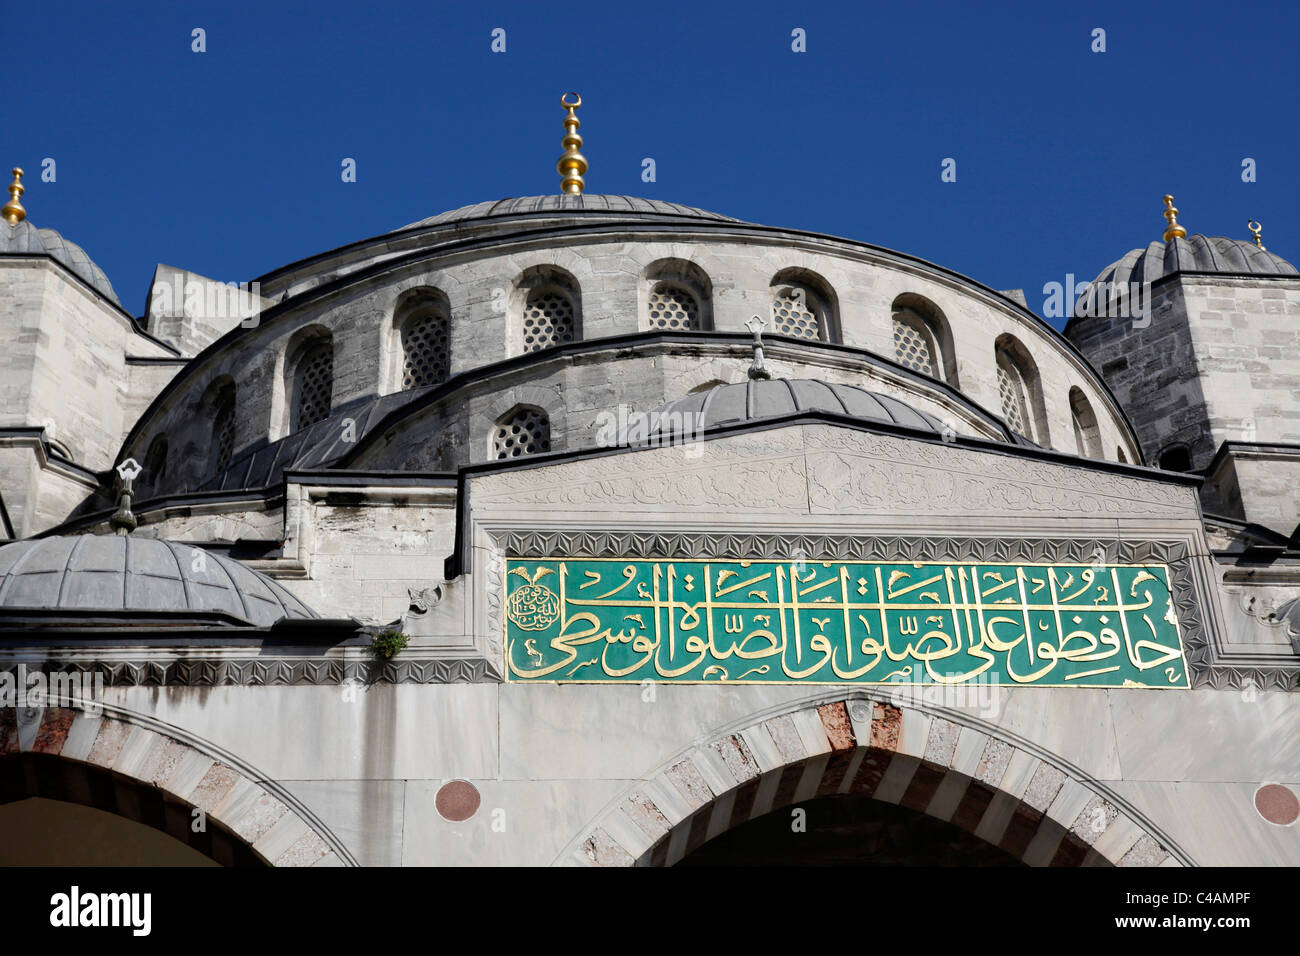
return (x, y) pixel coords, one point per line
(426, 351)
(526, 431)
(315, 385)
(671, 307)
(223, 431)
(548, 320)
(794, 312)
(1011, 389)
(913, 345)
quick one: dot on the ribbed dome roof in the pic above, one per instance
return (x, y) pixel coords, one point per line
(1196, 253)
(26, 239)
(758, 398)
(584, 203)
(125, 573)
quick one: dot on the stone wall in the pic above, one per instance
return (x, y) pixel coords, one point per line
(1219, 361)
(609, 272)
(63, 369)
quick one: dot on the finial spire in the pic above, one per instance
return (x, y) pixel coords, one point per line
(1173, 230)
(1254, 226)
(757, 370)
(123, 520)
(572, 165)
(13, 210)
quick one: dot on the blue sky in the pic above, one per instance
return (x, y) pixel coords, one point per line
(228, 162)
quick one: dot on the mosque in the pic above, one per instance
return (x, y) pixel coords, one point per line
(598, 530)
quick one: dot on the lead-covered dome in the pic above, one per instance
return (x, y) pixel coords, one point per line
(122, 573)
(773, 398)
(1195, 253)
(26, 239)
(630, 206)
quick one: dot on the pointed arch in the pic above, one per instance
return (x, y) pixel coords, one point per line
(942, 762)
(158, 775)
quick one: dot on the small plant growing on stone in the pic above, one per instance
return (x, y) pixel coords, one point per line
(388, 642)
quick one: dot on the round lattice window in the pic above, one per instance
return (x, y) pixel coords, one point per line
(525, 432)
(673, 308)
(426, 351)
(912, 346)
(794, 313)
(315, 385)
(548, 320)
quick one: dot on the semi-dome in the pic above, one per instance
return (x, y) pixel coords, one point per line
(25, 239)
(1195, 253)
(122, 573)
(756, 399)
(582, 203)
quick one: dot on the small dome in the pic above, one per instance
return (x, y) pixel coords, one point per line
(771, 398)
(623, 206)
(26, 239)
(1196, 253)
(124, 573)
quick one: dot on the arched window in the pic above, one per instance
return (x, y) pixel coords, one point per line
(923, 339)
(548, 305)
(155, 463)
(223, 430)
(1020, 391)
(672, 307)
(803, 306)
(1087, 435)
(1176, 458)
(313, 385)
(548, 320)
(426, 348)
(1011, 390)
(914, 344)
(525, 430)
(1120, 456)
(676, 294)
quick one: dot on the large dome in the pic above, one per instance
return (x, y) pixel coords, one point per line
(26, 239)
(121, 573)
(623, 206)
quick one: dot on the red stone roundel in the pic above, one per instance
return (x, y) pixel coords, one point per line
(1277, 804)
(457, 800)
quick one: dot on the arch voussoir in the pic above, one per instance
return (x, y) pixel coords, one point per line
(143, 759)
(1039, 810)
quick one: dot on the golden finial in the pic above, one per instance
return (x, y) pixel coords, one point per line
(1173, 231)
(572, 164)
(13, 210)
(1254, 226)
